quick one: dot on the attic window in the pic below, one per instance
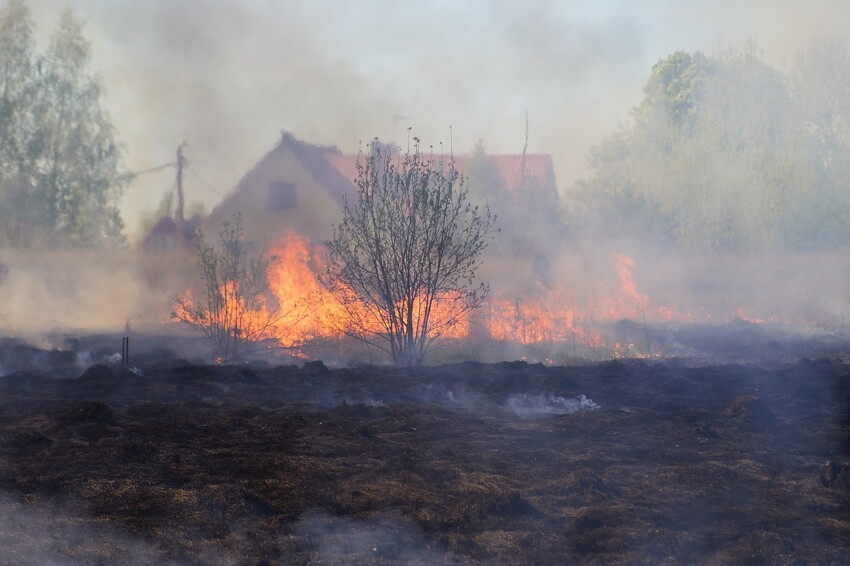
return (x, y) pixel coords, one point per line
(281, 196)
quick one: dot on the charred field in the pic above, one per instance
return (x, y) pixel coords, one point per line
(623, 461)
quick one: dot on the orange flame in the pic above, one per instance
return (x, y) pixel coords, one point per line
(309, 310)
(539, 315)
(549, 316)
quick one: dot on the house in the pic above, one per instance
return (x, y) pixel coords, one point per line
(302, 187)
(296, 186)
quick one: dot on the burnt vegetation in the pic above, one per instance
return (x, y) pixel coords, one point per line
(627, 462)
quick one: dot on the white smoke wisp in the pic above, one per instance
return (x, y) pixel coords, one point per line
(381, 539)
(361, 400)
(434, 394)
(529, 405)
(88, 290)
(455, 397)
(48, 533)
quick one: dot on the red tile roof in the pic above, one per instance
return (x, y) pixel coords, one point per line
(345, 164)
(513, 169)
(517, 171)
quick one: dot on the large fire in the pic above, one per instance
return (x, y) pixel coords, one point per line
(309, 310)
(545, 315)
(538, 314)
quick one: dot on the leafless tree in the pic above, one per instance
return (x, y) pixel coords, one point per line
(404, 258)
(232, 314)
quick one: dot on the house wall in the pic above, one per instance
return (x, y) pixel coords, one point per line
(314, 213)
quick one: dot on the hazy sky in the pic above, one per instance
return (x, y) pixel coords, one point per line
(227, 76)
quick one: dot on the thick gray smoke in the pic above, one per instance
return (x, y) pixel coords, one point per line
(88, 291)
(228, 77)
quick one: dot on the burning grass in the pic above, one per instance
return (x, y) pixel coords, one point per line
(613, 309)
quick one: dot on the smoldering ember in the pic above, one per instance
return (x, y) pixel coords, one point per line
(403, 350)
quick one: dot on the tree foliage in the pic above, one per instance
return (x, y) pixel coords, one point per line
(59, 158)
(232, 313)
(403, 260)
(727, 154)
(819, 85)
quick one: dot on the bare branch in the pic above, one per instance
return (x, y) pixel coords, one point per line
(232, 313)
(404, 258)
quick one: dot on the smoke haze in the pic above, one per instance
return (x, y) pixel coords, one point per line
(227, 77)
(87, 291)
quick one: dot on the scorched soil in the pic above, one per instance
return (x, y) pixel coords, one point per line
(618, 462)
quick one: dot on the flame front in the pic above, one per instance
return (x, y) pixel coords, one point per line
(548, 315)
(308, 310)
(541, 314)
(545, 315)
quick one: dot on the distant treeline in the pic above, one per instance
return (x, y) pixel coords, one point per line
(727, 154)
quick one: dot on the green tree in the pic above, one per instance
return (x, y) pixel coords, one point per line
(820, 93)
(820, 88)
(79, 158)
(611, 205)
(61, 161)
(674, 89)
(16, 89)
(710, 153)
(403, 260)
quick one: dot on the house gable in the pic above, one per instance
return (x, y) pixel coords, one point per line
(293, 187)
(517, 172)
(303, 187)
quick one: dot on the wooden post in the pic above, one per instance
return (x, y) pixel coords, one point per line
(125, 351)
(179, 219)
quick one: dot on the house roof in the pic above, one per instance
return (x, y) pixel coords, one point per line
(317, 160)
(345, 165)
(516, 171)
(321, 162)
(335, 172)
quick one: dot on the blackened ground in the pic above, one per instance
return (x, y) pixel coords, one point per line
(617, 462)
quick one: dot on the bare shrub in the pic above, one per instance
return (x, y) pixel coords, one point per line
(232, 313)
(404, 258)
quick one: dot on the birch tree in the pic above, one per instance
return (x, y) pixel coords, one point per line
(60, 160)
